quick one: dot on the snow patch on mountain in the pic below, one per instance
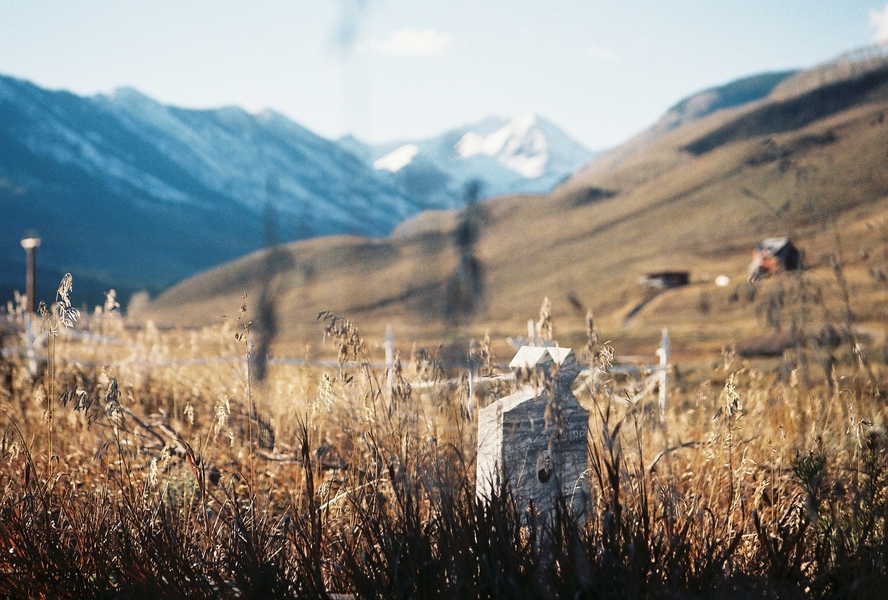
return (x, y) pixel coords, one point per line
(397, 159)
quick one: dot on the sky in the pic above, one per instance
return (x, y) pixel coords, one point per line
(392, 70)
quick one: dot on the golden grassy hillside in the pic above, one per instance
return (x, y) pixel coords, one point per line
(808, 161)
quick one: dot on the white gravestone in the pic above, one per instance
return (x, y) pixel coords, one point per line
(537, 438)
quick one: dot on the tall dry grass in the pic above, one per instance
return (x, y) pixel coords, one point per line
(146, 463)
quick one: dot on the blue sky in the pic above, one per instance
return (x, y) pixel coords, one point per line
(389, 70)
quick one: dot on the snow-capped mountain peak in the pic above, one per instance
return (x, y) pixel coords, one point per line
(518, 145)
(526, 154)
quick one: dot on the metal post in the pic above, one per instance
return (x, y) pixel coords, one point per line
(30, 245)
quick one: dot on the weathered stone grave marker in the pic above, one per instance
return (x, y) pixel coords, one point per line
(536, 439)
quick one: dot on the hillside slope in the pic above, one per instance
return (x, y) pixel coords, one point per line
(808, 163)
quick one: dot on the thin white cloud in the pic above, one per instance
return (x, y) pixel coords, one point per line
(879, 19)
(413, 42)
(600, 54)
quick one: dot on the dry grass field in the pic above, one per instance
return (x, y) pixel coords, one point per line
(141, 463)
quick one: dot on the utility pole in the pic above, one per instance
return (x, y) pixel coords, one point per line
(30, 245)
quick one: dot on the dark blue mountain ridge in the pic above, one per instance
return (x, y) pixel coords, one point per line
(130, 194)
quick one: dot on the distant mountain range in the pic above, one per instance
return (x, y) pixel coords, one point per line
(132, 194)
